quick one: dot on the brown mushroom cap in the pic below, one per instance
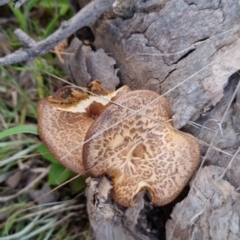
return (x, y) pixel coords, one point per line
(64, 118)
(140, 153)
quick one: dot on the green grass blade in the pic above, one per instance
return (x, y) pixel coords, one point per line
(58, 174)
(29, 6)
(14, 143)
(39, 230)
(54, 23)
(19, 155)
(24, 94)
(42, 149)
(49, 234)
(23, 232)
(32, 129)
(20, 17)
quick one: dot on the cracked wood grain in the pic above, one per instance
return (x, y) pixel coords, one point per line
(166, 44)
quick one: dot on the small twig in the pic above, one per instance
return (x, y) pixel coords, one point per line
(87, 16)
(228, 166)
(199, 126)
(24, 38)
(217, 123)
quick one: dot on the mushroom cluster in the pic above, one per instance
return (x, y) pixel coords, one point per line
(132, 140)
(65, 117)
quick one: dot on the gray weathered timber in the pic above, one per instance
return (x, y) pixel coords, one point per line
(213, 210)
(109, 220)
(160, 44)
(187, 50)
(214, 197)
(85, 65)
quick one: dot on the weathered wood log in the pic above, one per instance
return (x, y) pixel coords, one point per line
(211, 210)
(211, 197)
(186, 50)
(110, 220)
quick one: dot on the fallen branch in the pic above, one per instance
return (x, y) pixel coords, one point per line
(87, 16)
(24, 38)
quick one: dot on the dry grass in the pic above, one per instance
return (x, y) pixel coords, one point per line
(27, 170)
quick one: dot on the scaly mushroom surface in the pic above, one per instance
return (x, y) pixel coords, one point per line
(140, 153)
(64, 118)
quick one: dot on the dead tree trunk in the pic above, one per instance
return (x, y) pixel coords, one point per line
(186, 50)
(160, 44)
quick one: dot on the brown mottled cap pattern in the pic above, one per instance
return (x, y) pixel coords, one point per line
(62, 130)
(63, 120)
(140, 153)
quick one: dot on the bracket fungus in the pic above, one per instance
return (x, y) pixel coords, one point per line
(138, 148)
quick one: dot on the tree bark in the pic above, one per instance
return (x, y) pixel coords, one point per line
(110, 220)
(189, 51)
(181, 49)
